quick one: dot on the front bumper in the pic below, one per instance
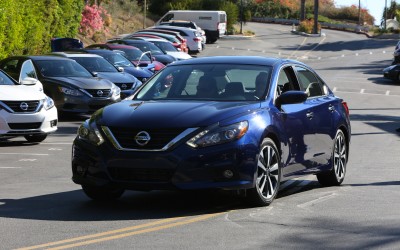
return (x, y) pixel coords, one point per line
(85, 104)
(18, 124)
(179, 168)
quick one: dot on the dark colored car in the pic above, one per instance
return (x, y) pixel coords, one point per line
(65, 43)
(392, 72)
(231, 123)
(119, 60)
(147, 46)
(71, 86)
(100, 67)
(135, 55)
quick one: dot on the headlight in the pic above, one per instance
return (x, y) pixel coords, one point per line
(219, 135)
(116, 90)
(48, 103)
(89, 132)
(68, 91)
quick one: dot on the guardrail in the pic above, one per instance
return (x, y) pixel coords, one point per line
(347, 27)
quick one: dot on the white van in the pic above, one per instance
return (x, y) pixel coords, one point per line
(213, 22)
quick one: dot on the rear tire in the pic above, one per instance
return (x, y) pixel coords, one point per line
(102, 193)
(35, 138)
(336, 175)
(268, 175)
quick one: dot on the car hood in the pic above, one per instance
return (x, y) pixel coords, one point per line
(170, 114)
(83, 82)
(20, 93)
(117, 77)
(179, 55)
(138, 72)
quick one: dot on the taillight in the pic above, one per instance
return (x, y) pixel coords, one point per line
(346, 108)
(197, 39)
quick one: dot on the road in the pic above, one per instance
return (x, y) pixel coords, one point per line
(41, 208)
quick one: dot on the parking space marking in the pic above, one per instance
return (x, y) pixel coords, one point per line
(27, 159)
(317, 200)
(9, 167)
(56, 143)
(24, 154)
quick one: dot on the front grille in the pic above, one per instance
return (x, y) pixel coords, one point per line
(141, 174)
(99, 92)
(32, 125)
(96, 107)
(124, 86)
(22, 106)
(158, 137)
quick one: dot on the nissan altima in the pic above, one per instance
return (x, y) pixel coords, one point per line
(71, 86)
(232, 123)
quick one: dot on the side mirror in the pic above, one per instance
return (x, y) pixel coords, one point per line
(120, 69)
(143, 65)
(95, 74)
(29, 81)
(291, 97)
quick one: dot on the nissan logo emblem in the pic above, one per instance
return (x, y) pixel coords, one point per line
(100, 93)
(24, 106)
(142, 138)
(124, 86)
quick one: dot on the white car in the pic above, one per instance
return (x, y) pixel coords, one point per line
(25, 110)
(192, 36)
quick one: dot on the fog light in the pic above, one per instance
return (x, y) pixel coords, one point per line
(53, 123)
(228, 174)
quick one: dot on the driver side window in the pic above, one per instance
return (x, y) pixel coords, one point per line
(309, 82)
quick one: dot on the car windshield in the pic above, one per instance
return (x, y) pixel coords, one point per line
(62, 68)
(149, 47)
(5, 80)
(135, 54)
(118, 60)
(213, 82)
(165, 46)
(95, 64)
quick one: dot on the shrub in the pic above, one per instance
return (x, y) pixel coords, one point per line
(307, 26)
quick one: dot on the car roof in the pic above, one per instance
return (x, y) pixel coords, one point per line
(249, 60)
(75, 54)
(120, 46)
(41, 57)
(174, 27)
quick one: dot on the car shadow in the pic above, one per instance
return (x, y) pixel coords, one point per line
(386, 123)
(75, 206)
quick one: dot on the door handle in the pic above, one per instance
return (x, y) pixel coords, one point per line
(331, 108)
(310, 115)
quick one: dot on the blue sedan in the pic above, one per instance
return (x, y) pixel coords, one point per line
(232, 123)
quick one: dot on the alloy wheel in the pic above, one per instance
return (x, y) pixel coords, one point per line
(268, 172)
(340, 156)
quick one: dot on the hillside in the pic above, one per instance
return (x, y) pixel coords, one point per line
(123, 21)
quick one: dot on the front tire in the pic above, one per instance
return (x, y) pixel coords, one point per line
(35, 138)
(268, 175)
(336, 175)
(102, 193)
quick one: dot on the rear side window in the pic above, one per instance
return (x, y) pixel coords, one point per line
(222, 18)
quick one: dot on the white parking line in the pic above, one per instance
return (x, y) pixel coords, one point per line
(56, 143)
(23, 154)
(9, 167)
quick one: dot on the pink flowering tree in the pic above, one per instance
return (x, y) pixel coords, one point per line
(92, 19)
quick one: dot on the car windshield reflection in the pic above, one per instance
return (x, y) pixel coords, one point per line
(63, 68)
